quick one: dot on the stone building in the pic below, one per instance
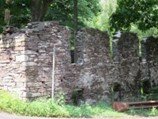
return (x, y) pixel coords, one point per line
(36, 62)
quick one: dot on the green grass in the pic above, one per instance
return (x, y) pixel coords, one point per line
(101, 109)
(143, 112)
(49, 108)
(9, 103)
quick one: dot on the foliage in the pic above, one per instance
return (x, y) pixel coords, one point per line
(41, 107)
(101, 110)
(144, 34)
(101, 21)
(143, 112)
(60, 10)
(142, 13)
(49, 108)
(19, 10)
(138, 16)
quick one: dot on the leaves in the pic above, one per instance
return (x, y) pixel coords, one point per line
(59, 10)
(143, 13)
(63, 11)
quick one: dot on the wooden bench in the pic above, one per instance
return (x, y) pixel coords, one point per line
(123, 106)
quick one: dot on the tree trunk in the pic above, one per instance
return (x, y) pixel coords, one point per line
(39, 9)
(7, 15)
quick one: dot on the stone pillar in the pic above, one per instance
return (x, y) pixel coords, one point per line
(94, 56)
(129, 66)
(152, 59)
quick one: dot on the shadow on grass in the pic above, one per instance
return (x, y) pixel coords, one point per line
(101, 110)
(143, 112)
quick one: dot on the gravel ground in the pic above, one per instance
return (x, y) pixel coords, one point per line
(11, 116)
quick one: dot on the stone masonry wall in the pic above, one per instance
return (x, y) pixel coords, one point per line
(151, 56)
(134, 72)
(26, 59)
(88, 74)
(129, 66)
(12, 70)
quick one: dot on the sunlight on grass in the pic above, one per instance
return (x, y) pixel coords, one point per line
(49, 108)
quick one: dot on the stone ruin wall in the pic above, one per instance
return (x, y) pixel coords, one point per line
(89, 74)
(12, 70)
(127, 64)
(151, 56)
(26, 59)
(135, 67)
(26, 64)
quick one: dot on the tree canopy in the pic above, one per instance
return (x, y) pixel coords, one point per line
(143, 13)
(131, 15)
(102, 19)
(24, 11)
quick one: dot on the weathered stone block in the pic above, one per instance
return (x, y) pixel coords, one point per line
(21, 58)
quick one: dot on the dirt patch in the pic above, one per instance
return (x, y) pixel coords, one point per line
(13, 116)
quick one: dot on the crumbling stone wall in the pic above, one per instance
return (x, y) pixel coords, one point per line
(135, 72)
(98, 74)
(129, 65)
(151, 56)
(90, 70)
(26, 59)
(12, 71)
(95, 58)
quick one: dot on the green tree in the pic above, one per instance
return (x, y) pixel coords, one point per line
(24, 11)
(142, 13)
(63, 11)
(20, 14)
(101, 20)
